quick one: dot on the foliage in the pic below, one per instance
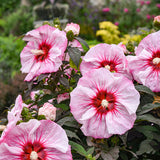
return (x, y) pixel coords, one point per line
(83, 13)
(141, 142)
(8, 6)
(131, 14)
(17, 23)
(10, 48)
(88, 16)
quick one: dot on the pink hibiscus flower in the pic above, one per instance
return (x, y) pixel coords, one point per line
(107, 56)
(149, 43)
(13, 116)
(104, 103)
(145, 66)
(36, 140)
(44, 51)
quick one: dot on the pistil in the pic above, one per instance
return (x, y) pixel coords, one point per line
(37, 52)
(108, 67)
(33, 155)
(156, 60)
(104, 103)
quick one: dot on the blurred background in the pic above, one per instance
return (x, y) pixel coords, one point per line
(108, 21)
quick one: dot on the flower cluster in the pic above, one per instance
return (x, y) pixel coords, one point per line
(93, 90)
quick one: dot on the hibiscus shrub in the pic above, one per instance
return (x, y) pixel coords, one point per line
(98, 103)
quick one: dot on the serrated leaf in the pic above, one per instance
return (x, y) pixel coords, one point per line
(149, 118)
(113, 154)
(63, 106)
(82, 41)
(64, 81)
(142, 88)
(75, 55)
(72, 134)
(78, 148)
(148, 107)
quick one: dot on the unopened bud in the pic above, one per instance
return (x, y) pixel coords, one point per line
(156, 23)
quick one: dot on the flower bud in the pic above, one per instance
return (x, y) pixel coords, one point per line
(48, 110)
(75, 28)
(156, 22)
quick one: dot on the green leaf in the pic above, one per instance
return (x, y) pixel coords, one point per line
(40, 117)
(149, 118)
(142, 88)
(124, 138)
(72, 65)
(73, 124)
(41, 77)
(145, 147)
(90, 150)
(75, 55)
(150, 132)
(113, 154)
(64, 81)
(62, 105)
(82, 41)
(78, 148)
(72, 134)
(148, 107)
(62, 121)
(45, 99)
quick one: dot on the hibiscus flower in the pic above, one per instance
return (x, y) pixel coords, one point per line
(104, 103)
(43, 140)
(44, 51)
(145, 66)
(106, 56)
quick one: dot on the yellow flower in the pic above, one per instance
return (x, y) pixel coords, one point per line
(108, 32)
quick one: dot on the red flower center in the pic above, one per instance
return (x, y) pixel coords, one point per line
(104, 102)
(110, 65)
(29, 150)
(45, 48)
(155, 61)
